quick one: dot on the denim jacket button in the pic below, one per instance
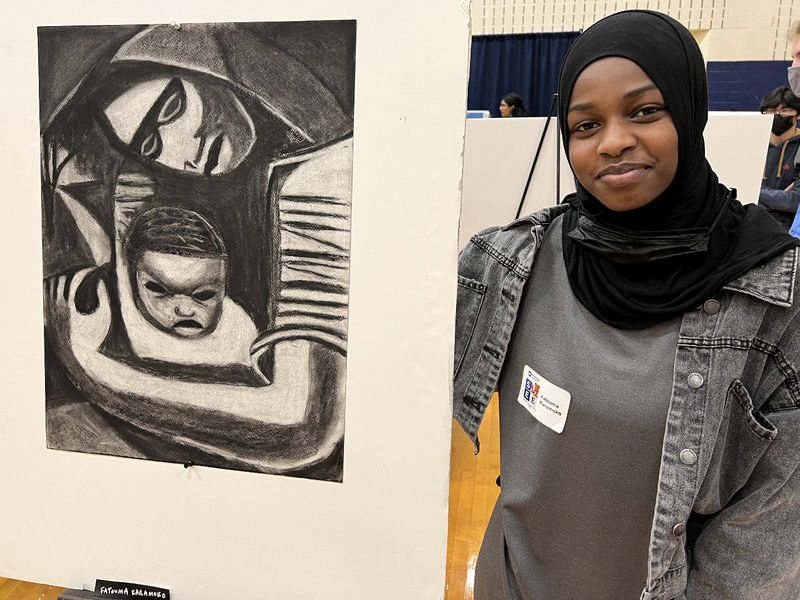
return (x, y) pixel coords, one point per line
(679, 530)
(688, 456)
(695, 380)
(711, 307)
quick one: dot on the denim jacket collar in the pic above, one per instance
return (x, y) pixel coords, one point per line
(772, 282)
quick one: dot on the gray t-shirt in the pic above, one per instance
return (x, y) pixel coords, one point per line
(575, 510)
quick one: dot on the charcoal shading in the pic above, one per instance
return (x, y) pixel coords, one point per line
(196, 188)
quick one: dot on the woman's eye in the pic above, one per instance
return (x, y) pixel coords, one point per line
(647, 111)
(204, 295)
(155, 288)
(152, 146)
(173, 107)
(585, 126)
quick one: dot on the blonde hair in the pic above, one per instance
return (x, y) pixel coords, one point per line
(794, 31)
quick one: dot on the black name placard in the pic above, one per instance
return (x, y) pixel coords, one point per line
(121, 589)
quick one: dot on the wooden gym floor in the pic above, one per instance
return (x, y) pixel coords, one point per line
(473, 492)
(472, 495)
(11, 589)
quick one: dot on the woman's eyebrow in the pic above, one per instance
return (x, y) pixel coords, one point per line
(584, 106)
(641, 90)
(631, 94)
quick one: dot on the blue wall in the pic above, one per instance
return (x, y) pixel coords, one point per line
(741, 85)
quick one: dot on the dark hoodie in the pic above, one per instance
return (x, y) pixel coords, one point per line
(780, 171)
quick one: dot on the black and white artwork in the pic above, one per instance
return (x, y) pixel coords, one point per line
(196, 186)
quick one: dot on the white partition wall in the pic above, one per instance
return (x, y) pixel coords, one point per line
(68, 518)
(498, 154)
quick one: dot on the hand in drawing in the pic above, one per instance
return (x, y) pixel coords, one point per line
(78, 303)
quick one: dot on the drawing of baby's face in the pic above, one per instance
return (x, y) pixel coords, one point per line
(179, 294)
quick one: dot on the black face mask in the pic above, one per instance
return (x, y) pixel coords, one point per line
(622, 245)
(781, 125)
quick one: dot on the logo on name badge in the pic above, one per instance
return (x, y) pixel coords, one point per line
(531, 388)
(547, 402)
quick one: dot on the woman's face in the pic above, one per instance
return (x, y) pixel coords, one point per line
(505, 109)
(623, 145)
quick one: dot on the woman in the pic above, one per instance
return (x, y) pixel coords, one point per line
(642, 337)
(512, 105)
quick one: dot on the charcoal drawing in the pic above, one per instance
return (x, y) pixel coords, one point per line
(196, 187)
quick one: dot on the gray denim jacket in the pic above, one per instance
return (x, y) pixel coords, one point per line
(727, 515)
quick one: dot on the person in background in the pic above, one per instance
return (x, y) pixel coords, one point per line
(512, 106)
(794, 70)
(794, 83)
(780, 194)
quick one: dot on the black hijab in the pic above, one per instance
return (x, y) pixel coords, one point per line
(633, 269)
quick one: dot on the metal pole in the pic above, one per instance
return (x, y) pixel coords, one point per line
(558, 167)
(536, 157)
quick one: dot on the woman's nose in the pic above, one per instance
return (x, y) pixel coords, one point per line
(616, 138)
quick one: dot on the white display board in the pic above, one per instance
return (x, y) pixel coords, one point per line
(67, 518)
(498, 154)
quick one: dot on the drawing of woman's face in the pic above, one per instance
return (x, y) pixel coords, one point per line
(185, 126)
(180, 295)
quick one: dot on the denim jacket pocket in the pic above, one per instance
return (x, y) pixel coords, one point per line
(468, 306)
(756, 422)
(744, 435)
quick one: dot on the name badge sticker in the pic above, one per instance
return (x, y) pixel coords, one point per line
(548, 403)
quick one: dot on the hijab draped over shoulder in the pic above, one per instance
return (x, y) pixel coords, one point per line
(633, 269)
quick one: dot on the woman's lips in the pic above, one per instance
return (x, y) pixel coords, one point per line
(622, 175)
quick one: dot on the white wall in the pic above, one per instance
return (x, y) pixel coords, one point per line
(208, 534)
(498, 154)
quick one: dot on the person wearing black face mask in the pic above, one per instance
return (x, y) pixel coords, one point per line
(780, 188)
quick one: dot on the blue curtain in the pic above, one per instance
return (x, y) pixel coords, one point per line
(741, 85)
(525, 63)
